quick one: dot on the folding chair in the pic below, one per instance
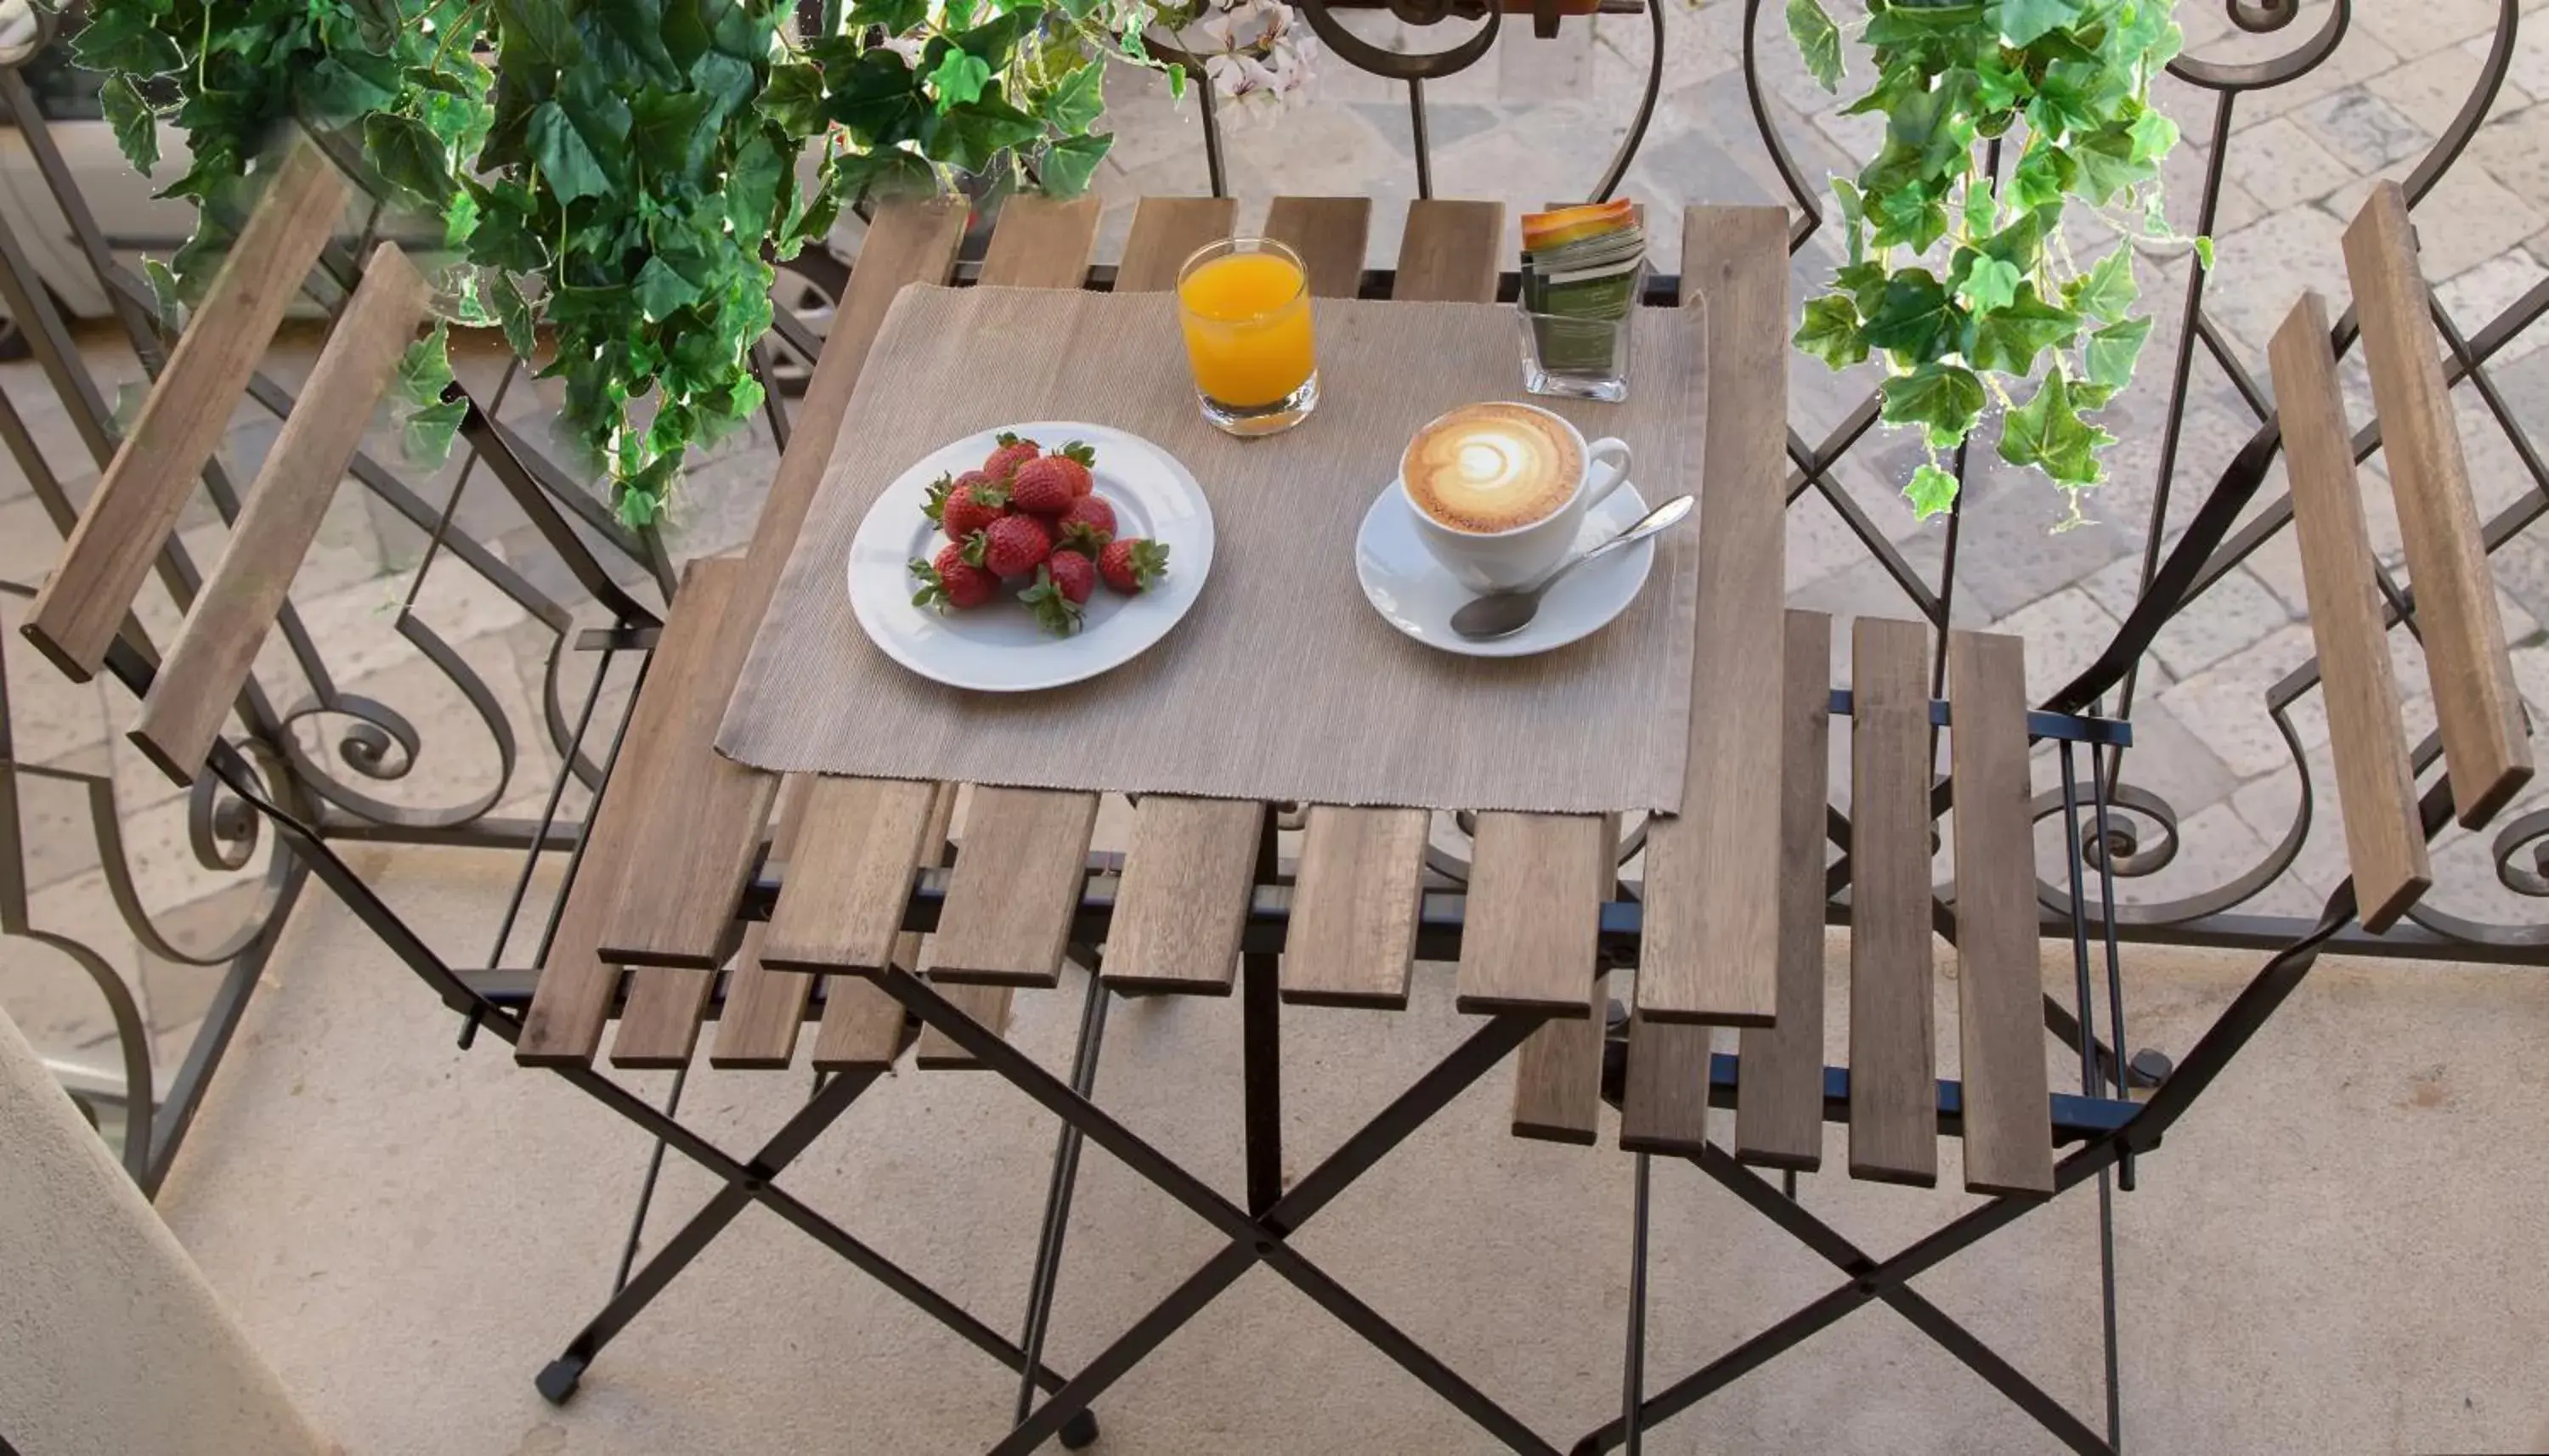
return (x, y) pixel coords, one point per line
(1781, 1094)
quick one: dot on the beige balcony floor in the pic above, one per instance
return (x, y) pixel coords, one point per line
(2335, 1252)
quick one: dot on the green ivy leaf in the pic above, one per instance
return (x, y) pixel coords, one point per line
(543, 28)
(425, 441)
(136, 129)
(459, 219)
(2048, 433)
(513, 312)
(124, 39)
(2008, 338)
(424, 370)
(793, 98)
(2203, 253)
(567, 166)
(661, 292)
(959, 79)
(1075, 103)
(2111, 352)
(1817, 42)
(967, 138)
(1067, 163)
(1176, 81)
(1932, 491)
(879, 99)
(1989, 283)
(409, 157)
(1831, 331)
(894, 17)
(1916, 321)
(2107, 291)
(625, 39)
(2025, 22)
(752, 186)
(347, 85)
(2153, 135)
(1943, 399)
(2043, 174)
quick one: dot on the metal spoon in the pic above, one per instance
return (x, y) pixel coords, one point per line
(1503, 613)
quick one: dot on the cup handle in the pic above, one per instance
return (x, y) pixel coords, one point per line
(1610, 451)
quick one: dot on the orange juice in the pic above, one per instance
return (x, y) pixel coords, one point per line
(1247, 318)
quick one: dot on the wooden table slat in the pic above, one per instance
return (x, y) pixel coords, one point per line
(577, 982)
(1331, 234)
(1536, 885)
(2375, 782)
(1558, 1073)
(1451, 252)
(1361, 884)
(870, 1022)
(1166, 232)
(1038, 243)
(842, 907)
(706, 814)
(187, 413)
(1779, 1103)
(1183, 901)
(1712, 943)
(1016, 888)
(2000, 1017)
(2485, 747)
(1356, 897)
(1893, 1109)
(217, 646)
(765, 1006)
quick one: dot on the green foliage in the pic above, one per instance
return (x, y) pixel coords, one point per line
(624, 171)
(2062, 86)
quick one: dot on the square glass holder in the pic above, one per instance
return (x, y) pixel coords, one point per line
(1575, 358)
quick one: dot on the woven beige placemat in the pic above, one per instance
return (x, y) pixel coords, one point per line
(1281, 682)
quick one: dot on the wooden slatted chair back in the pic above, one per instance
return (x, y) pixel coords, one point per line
(127, 520)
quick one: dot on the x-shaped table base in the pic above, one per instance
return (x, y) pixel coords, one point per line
(1253, 1239)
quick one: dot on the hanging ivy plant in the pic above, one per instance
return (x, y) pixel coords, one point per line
(1966, 286)
(627, 169)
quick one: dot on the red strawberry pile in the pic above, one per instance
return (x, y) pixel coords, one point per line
(1033, 518)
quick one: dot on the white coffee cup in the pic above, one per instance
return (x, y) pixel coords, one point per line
(1517, 556)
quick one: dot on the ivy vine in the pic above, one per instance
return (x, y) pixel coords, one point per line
(625, 171)
(1965, 285)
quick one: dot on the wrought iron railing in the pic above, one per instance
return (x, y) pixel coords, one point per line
(327, 753)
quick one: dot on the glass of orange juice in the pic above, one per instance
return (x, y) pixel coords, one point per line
(1245, 303)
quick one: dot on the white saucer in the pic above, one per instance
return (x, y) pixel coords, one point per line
(1412, 591)
(998, 647)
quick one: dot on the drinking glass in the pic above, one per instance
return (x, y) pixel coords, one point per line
(1245, 305)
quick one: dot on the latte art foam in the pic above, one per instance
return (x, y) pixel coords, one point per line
(1489, 467)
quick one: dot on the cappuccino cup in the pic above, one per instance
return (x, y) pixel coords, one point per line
(1498, 491)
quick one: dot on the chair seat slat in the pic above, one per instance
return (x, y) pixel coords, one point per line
(2009, 1146)
(1779, 1102)
(1893, 1109)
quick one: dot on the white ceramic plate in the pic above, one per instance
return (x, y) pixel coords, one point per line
(1412, 591)
(998, 647)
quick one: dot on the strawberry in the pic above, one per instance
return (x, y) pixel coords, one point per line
(964, 506)
(1062, 583)
(1014, 452)
(951, 580)
(1130, 564)
(1012, 546)
(1044, 486)
(1087, 525)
